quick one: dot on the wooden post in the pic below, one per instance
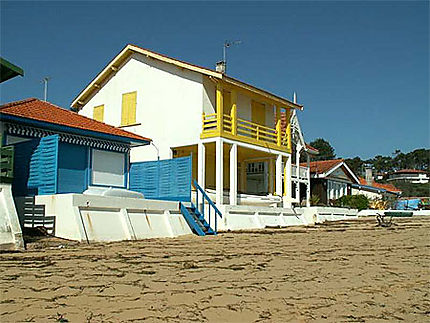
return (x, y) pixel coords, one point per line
(308, 185)
(278, 133)
(203, 122)
(278, 167)
(219, 172)
(288, 133)
(233, 113)
(287, 183)
(233, 174)
(201, 164)
(219, 108)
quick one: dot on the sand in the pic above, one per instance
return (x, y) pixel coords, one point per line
(344, 271)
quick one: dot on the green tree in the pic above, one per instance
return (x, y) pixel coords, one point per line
(381, 163)
(356, 165)
(325, 150)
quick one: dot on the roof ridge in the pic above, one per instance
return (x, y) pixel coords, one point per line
(35, 105)
(15, 103)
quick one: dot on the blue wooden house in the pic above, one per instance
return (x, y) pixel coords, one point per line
(59, 151)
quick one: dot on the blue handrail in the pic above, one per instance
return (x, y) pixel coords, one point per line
(190, 220)
(209, 201)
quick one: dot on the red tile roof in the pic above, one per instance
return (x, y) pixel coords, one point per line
(388, 187)
(36, 109)
(323, 166)
(312, 148)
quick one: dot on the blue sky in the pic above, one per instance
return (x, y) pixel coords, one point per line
(360, 68)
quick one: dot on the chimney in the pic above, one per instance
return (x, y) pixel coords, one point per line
(220, 67)
(369, 176)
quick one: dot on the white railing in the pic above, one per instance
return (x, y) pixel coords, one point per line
(303, 172)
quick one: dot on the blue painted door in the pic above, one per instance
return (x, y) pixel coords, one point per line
(168, 179)
(21, 167)
(72, 168)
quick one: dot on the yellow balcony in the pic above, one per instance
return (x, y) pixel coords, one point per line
(245, 131)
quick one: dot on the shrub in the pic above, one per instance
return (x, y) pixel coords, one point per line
(359, 202)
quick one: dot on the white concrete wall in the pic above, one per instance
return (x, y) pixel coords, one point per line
(245, 217)
(169, 104)
(322, 214)
(99, 218)
(370, 195)
(10, 230)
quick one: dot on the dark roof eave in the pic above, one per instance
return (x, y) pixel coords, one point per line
(9, 70)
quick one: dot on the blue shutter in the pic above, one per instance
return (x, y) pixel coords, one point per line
(44, 166)
(163, 180)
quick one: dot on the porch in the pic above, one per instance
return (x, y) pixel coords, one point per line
(237, 173)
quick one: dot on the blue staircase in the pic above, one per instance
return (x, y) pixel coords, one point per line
(196, 220)
(195, 217)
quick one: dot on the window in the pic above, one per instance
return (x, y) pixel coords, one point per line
(98, 113)
(128, 112)
(108, 168)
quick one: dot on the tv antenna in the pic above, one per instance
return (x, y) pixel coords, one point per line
(45, 81)
(228, 44)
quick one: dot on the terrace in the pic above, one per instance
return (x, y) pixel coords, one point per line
(231, 127)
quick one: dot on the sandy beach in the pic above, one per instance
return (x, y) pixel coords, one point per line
(345, 271)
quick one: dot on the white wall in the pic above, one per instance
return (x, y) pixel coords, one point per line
(107, 218)
(169, 104)
(371, 195)
(209, 96)
(10, 230)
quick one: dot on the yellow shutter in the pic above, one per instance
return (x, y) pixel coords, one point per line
(128, 113)
(98, 113)
(258, 113)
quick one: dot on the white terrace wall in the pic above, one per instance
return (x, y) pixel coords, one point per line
(100, 218)
(169, 104)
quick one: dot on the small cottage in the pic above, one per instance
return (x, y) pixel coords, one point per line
(331, 179)
(59, 151)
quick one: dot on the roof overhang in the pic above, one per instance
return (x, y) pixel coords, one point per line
(9, 70)
(349, 171)
(85, 95)
(66, 129)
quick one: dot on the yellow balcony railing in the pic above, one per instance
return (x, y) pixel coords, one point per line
(246, 131)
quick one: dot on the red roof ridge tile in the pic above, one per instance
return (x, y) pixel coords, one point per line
(72, 122)
(15, 103)
(387, 186)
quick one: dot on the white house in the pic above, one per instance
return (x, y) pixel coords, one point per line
(415, 176)
(241, 154)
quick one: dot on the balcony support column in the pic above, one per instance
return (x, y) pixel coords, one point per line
(233, 174)
(219, 173)
(219, 108)
(201, 164)
(271, 177)
(298, 151)
(287, 183)
(308, 186)
(279, 175)
(233, 113)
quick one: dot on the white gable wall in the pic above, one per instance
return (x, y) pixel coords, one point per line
(169, 104)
